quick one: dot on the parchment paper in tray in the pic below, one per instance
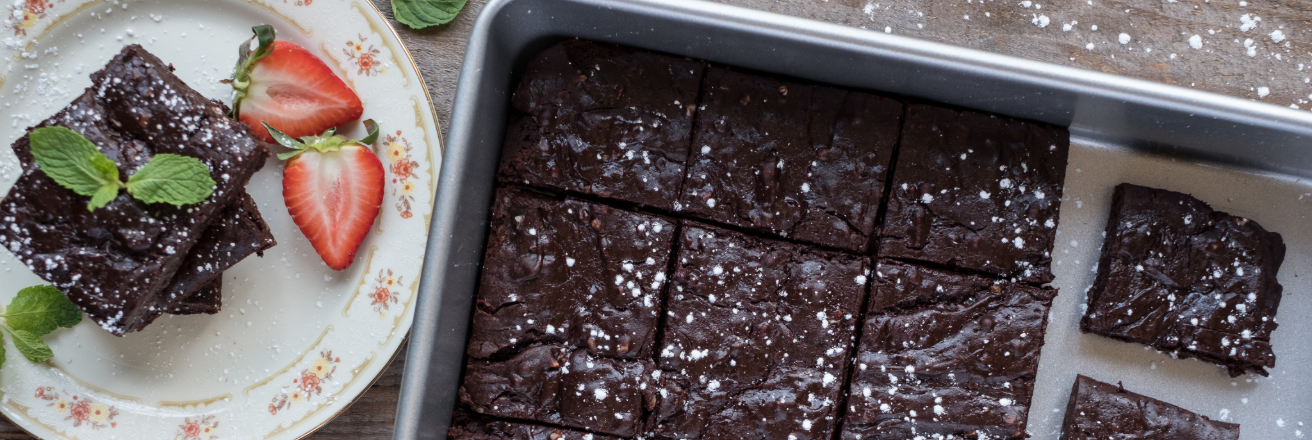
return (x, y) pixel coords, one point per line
(1275, 407)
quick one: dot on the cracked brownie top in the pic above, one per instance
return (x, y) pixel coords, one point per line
(795, 160)
(976, 191)
(755, 329)
(565, 271)
(606, 120)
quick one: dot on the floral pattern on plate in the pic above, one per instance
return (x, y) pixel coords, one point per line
(309, 384)
(199, 428)
(79, 409)
(402, 168)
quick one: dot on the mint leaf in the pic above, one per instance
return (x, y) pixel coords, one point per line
(31, 346)
(173, 179)
(41, 310)
(102, 197)
(72, 161)
(419, 14)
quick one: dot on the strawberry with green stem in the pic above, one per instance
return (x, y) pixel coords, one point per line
(285, 86)
(333, 188)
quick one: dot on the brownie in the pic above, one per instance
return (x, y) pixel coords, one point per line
(606, 120)
(1180, 277)
(1104, 411)
(977, 192)
(207, 299)
(946, 355)
(470, 426)
(570, 272)
(563, 386)
(795, 160)
(115, 261)
(240, 232)
(758, 335)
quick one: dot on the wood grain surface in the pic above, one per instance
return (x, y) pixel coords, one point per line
(1238, 52)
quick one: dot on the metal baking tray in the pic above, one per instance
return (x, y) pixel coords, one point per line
(1243, 157)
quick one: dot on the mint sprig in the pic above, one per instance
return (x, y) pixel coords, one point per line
(35, 312)
(75, 163)
(419, 14)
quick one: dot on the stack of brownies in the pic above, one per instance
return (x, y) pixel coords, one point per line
(686, 251)
(129, 262)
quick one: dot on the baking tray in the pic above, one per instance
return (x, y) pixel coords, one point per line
(1247, 158)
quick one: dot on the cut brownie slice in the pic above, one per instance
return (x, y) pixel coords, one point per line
(115, 261)
(208, 299)
(976, 191)
(946, 355)
(470, 426)
(1103, 411)
(1181, 277)
(604, 120)
(239, 232)
(795, 160)
(757, 338)
(563, 386)
(570, 272)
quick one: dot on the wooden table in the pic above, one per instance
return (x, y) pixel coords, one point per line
(1231, 56)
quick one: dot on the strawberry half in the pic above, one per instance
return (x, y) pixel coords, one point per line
(287, 87)
(333, 187)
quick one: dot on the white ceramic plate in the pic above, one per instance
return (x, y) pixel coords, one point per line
(296, 342)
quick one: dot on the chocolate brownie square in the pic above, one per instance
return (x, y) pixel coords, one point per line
(470, 426)
(977, 192)
(1103, 411)
(239, 232)
(945, 355)
(115, 261)
(601, 119)
(559, 385)
(1180, 277)
(795, 160)
(757, 338)
(570, 272)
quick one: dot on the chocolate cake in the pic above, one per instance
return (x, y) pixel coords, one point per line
(1181, 277)
(794, 160)
(757, 338)
(946, 355)
(116, 261)
(600, 119)
(1104, 411)
(977, 192)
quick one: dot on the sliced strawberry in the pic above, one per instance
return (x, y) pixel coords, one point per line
(287, 87)
(333, 188)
